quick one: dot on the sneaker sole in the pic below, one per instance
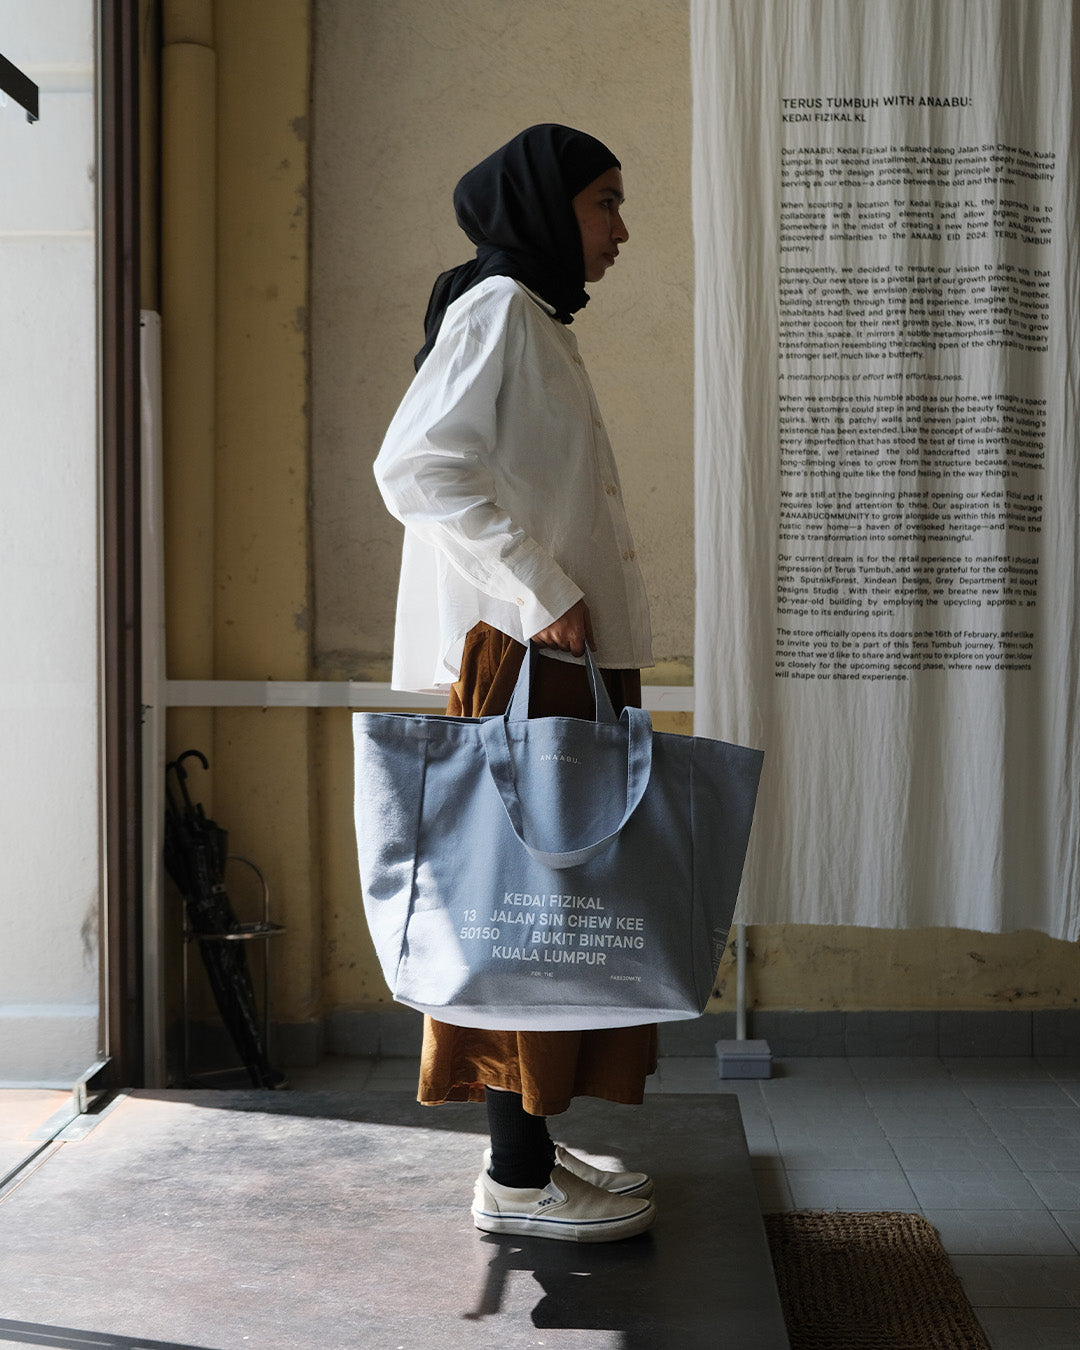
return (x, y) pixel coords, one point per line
(566, 1230)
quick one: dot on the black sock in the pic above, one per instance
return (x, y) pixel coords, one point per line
(522, 1154)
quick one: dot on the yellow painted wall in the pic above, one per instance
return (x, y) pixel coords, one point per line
(265, 760)
(407, 97)
(236, 81)
(421, 100)
(845, 969)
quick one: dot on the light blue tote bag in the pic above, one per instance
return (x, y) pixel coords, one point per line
(549, 873)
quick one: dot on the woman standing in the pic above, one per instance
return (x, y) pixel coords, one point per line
(498, 464)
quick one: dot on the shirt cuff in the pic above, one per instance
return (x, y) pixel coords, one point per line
(540, 611)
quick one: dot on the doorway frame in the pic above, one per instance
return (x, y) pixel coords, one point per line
(121, 1025)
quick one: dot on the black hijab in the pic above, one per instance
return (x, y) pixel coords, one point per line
(516, 207)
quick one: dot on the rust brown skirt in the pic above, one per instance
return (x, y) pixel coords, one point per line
(548, 1068)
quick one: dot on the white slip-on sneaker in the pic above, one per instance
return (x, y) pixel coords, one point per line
(615, 1183)
(567, 1209)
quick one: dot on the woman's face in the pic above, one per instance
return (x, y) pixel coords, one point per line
(597, 208)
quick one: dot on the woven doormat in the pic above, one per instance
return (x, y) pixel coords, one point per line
(868, 1282)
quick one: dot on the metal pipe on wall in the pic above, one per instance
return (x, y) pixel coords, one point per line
(188, 311)
(154, 708)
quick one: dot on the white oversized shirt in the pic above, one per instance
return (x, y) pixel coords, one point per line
(498, 465)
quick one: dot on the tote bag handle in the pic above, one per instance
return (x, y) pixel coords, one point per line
(495, 734)
(518, 710)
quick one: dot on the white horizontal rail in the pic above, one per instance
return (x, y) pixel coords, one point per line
(353, 694)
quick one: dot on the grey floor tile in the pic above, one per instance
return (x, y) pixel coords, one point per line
(753, 1108)
(919, 1119)
(827, 1069)
(1069, 1219)
(824, 1115)
(972, 1191)
(1031, 1157)
(1030, 1328)
(1000, 1232)
(994, 1068)
(1020, 1281)
(1050, 1155)
(863, 1191)
(1034, 1161)
(748, 1091)
(953, 1154)
(1057, 1190)
(760, 1137)
(688, 1075)
(942, 1093)
(845, 1120)
(1023, 1122)
(820, 1136)
(1030, 1095)
(917, 1070)
(1040, 1141)
(839, 1156)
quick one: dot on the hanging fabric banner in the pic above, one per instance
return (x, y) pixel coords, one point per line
(888, 467)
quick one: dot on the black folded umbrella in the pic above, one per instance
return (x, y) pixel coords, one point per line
(196, 853)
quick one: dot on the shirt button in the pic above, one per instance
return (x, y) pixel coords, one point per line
(578, 361)
(610, 489)
(598, 424)
(518, 600)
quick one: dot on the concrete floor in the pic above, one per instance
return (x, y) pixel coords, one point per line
(331, 1219)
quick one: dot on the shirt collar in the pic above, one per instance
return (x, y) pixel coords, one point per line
(538, 298)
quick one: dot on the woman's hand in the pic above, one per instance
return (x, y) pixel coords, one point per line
(572, 632)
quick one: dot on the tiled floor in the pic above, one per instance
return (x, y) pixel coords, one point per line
(987, 1149)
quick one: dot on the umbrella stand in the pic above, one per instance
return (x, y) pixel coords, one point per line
(196, 856)
(262, 930)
